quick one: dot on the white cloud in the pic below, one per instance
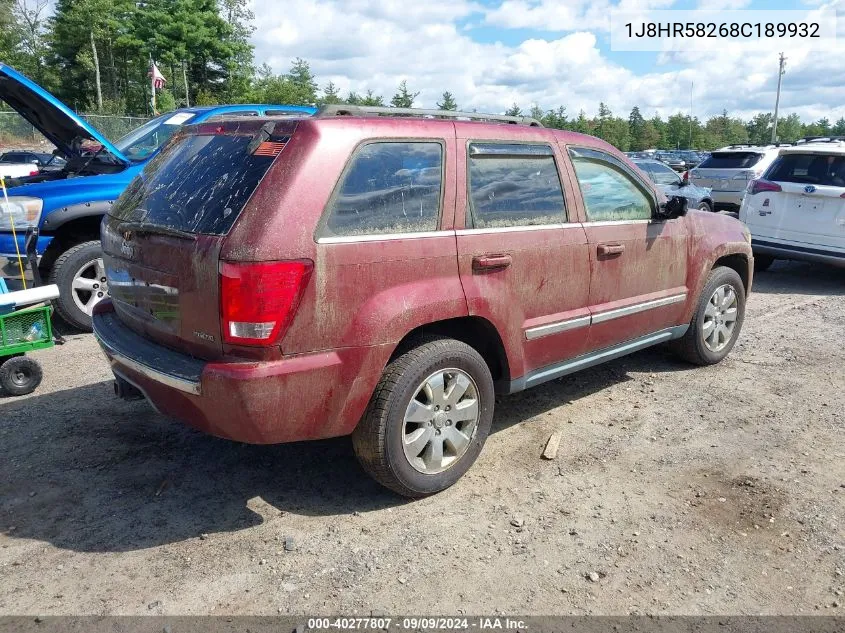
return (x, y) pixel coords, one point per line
(362, 45)
(572, 15)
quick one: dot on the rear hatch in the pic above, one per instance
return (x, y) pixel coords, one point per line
(726, 171)
(163, 237)
(809, 207)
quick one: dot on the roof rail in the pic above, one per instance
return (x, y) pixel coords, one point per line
(820, 139)
(333, 110)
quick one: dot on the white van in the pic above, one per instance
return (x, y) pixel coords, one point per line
(797, 209)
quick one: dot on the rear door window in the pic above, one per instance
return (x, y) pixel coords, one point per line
(813, 169)
(731, 160)
(514, 185)
(389, 187)
(199, 183)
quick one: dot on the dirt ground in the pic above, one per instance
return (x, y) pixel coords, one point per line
(676, 490)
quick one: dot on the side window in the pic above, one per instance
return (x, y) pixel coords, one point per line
(514, 185)
(609, 192)
(390, 187)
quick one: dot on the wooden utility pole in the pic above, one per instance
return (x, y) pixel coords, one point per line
(97, 73)
(781, 71)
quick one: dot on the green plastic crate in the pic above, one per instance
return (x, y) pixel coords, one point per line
(26, 330)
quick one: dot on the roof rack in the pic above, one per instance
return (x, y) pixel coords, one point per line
(354, 110)
(820, 139)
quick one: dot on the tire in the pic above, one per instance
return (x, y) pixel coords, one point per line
(705, 206)
(382, 435)
(696, 346)
(79, 274)
(20, 375)
(763, 263)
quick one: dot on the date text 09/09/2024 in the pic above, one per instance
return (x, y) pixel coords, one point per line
(416, 623)
(747, 30)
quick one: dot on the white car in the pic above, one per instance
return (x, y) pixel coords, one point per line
(727, 172)
(797, 209)
(18, 170)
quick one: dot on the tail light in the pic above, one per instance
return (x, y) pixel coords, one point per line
(33, 173)
(259, 299)
(760, 185)
(685, 177)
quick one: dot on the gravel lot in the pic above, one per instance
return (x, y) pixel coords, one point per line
(676, 490)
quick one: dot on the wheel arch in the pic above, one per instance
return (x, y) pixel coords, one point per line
(475, 331)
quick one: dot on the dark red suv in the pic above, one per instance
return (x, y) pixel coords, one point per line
(384, 273)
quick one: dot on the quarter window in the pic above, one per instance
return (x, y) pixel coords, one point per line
(514, 185)
(609, 192)
(390, 187)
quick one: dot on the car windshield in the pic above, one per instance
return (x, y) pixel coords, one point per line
(815, 169)
(143, 142)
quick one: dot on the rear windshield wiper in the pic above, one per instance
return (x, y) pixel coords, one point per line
(155, 229)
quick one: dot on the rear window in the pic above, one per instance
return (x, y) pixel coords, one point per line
(815, 169)
(731, 160)
(389, 187)
(199, 183)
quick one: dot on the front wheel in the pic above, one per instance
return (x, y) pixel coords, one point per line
(81, 277)
(427, 419)
(717, 320)
(705, 206)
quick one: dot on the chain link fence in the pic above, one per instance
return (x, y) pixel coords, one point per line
(15, 131)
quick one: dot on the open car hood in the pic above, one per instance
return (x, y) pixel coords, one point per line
(58, 123)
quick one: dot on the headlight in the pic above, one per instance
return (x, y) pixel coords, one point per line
(22, 211)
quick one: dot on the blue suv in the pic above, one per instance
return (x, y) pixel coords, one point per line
(67, 205)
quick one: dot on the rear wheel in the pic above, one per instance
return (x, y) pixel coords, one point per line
(428, 418)
(762, 262)
(81, 277)
(20, 375)
(705, 206)
(717, 320)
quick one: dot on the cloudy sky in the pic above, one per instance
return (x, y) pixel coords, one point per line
(492, 53)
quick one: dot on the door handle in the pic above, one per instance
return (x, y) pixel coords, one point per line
(610, 249)
(491, 262)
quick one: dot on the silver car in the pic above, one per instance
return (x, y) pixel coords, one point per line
(727, 172)
(671, 184)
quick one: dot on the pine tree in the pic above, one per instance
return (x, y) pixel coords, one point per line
(514, 110)
(448, 102)
(331, 94)
(403, 97)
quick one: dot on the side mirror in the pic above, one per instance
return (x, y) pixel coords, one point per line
(674, 207)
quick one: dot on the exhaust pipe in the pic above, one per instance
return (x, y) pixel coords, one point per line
(125, 390)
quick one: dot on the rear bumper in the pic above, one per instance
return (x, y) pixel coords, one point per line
(794, 251)
(731, 199)
(305, 397)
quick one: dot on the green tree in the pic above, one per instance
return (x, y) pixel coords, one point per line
(582, 124)
(760, 128)
(838, 128)
(556, 118)
(447, 102)
(636, 128)
(403, 98)
(514, 110)
(330, 94)
(790, 129)
(372, 99)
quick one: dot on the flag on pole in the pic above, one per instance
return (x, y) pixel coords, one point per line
(158, 79)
